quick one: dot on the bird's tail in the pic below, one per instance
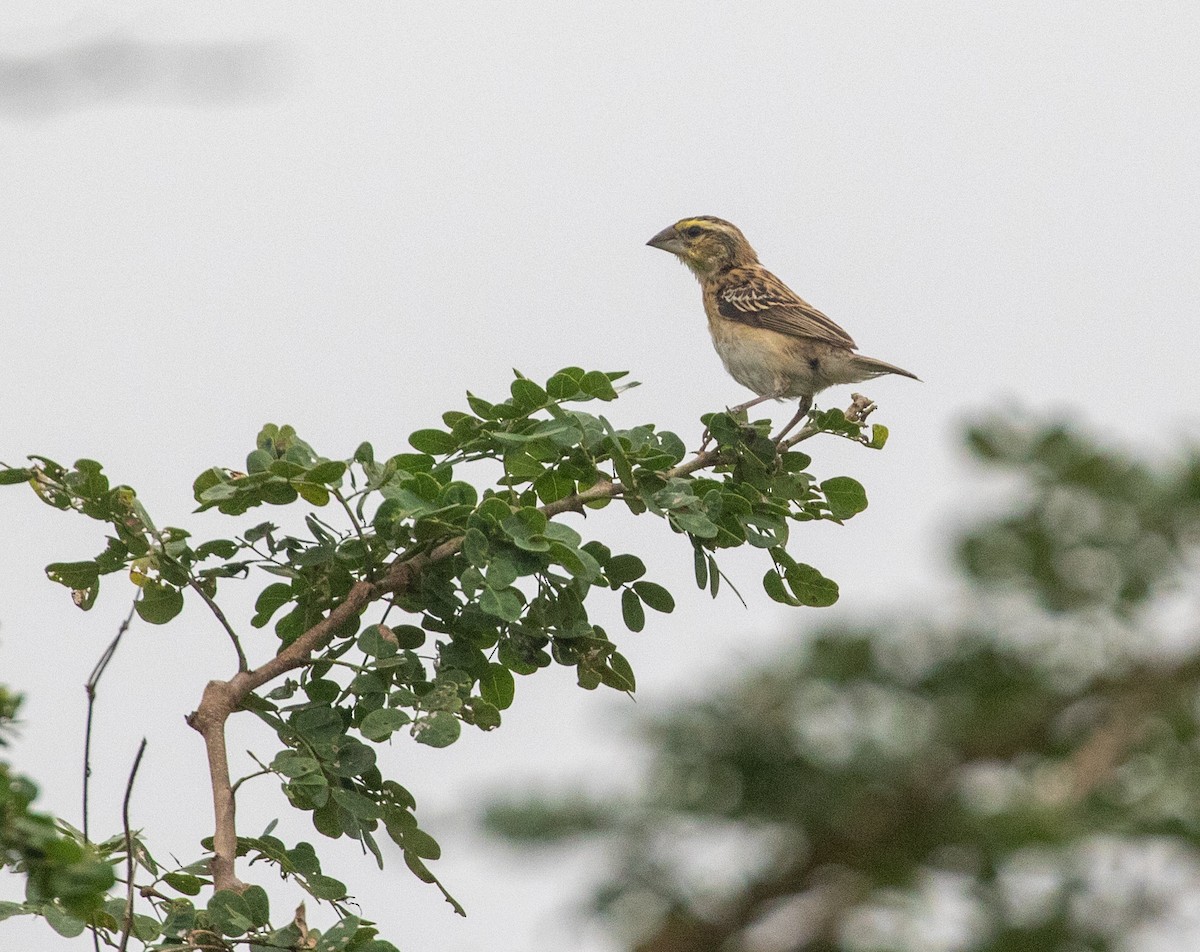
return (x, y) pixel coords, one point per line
(872, 367)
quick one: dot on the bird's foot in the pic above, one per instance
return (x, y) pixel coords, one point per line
(801, 413)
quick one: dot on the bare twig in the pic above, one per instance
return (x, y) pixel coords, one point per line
(195, 586)
(93, 682)
(127, 925)
(216, 610)
(258, 773)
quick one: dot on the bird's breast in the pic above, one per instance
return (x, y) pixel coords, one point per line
(768, 362)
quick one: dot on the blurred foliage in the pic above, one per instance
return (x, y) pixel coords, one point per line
(1022, 778)
(66, 878)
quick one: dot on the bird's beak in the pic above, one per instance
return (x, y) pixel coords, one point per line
(667, 240)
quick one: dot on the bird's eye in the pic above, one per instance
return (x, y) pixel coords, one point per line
(694, 232)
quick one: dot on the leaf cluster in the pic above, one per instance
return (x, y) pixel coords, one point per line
(66, 878)
(468, 544)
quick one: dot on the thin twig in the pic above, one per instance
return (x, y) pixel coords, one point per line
(357, 528)
(127, 925)
(258, 773)
(195, 585)
(806, 433)
(93, 682)
(216, 610)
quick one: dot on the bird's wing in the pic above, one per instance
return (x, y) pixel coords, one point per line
(759, 299)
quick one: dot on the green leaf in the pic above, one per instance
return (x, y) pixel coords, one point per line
(846, 496)
(773, 586)
(552, 486)
(260, 905)
(230, 913)
(353, 758)
(619, 673)
(270, 600)
(422, 844)
(622, 569)
(185, 883)
(74, 575)
(311, 493)
(521, 466)
(322, 691)
(700, 559)
(497, 686)
(221, 548)
(338, 937)
(564, 384)
(327, 888)
(379, 641)
(409, 636)
(440, 729)
(576, 561)
(291, 763)
(329, 472)
(433, 442)
(504, 604)
(811, 587)
(356, 804)
(561, 532)
(12, 476)
(632, 611)
(475, 547)
(527, 529)
(655, 596)
(484, 715)
(61, 922)
(381, 724)
(879, 436)
(159, 603)
(597, 384)
(501, 573)
(794, 461)
(527, 395)
(696, 523)
(481, 407)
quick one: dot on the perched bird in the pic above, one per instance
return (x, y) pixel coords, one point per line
(769, 338)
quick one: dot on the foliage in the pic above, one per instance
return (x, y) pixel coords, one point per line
(1023, 778)
(66, 878)
(475, 586)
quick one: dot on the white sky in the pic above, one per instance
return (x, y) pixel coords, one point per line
(393, 202)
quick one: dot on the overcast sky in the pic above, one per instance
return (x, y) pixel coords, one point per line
(343, 216)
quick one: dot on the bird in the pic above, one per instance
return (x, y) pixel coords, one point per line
(769, 338)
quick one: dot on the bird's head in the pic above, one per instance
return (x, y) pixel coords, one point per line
(705, 244)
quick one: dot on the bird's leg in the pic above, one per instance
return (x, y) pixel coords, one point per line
(752, 403)
(801, 413)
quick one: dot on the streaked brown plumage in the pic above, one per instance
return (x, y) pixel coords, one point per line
(769, 338)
